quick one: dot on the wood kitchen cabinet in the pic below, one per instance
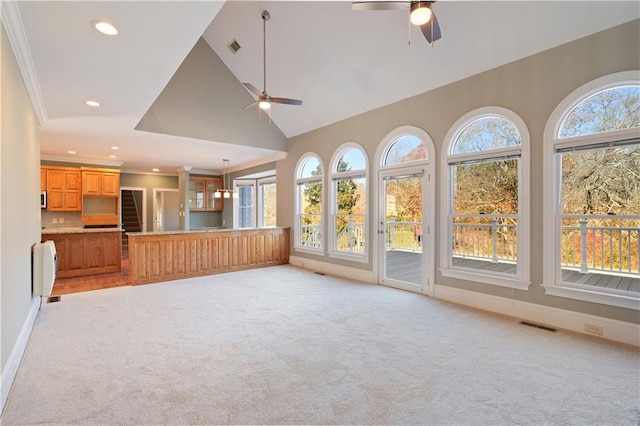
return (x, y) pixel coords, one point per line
(202, 194)
(63, 185)
(100, 195)
(43, 179)
(100, 182)
(87, 253)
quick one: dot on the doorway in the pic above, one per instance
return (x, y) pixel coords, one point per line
(166, 209)
(133, 212)
(402, 229)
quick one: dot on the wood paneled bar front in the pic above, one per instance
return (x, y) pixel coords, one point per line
(165, 256)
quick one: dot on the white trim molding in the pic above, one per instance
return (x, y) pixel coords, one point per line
(619, 331)
(333, 269)
(11, 367)
(521, 279)
(551, 214)
(12, 21)
(427, 167)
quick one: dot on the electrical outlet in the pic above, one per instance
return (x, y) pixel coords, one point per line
(593, 329)
(54, 220)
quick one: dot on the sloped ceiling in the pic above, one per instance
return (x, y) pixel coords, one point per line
(339, 62)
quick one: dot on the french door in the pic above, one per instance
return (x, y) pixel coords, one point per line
(403, 231)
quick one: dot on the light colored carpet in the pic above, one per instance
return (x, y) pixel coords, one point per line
(283, 345)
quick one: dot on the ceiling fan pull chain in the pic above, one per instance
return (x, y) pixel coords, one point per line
(409, 31)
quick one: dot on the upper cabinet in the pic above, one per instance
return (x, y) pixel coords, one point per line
(63, 186)
(100, 182)
(202, 194)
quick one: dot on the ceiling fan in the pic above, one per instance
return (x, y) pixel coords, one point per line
(420, 14)
(264, 99)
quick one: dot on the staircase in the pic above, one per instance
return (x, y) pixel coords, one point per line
(130, 218)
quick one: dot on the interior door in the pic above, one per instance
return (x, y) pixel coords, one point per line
(401, 227)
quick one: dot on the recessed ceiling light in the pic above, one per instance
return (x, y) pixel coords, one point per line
(114, 147)
(104, 27)
(155, 170)
(92, 103)
(112, 156)
(71, 152)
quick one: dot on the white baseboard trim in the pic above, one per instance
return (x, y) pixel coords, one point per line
(333, 269)
(11, 368)
(619, 331)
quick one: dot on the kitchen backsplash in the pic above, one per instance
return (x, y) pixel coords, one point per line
(61, 219)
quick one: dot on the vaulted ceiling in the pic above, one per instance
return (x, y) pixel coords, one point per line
(340, 62)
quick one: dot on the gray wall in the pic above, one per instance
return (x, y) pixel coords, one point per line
(531, 87)
(19, 205)
(204, 100)
(149, 182)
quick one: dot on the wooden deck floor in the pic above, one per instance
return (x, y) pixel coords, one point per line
(404, 266)
(407, 267)
(617, 282)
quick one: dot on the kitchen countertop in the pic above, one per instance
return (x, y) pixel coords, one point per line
(198, 231)
(78, 230)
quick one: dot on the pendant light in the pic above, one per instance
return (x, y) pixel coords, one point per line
(225, 193)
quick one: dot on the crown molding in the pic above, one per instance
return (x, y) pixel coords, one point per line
(80, 160)
(258, 162)
(12, 22)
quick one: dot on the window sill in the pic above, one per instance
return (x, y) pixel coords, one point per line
(316, 251)
(502, 281)
(347, 256)
(627, 302)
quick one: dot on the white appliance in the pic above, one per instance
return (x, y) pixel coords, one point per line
(45, 268)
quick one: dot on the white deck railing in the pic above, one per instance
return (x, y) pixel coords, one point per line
(601, 248)
(589, 248)
(310, 226)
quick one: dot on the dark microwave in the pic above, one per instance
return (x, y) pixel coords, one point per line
(43, 199)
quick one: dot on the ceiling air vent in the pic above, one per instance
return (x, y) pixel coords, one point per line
(234, 46)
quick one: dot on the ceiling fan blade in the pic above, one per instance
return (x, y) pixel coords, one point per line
(431, 29)
(286, 101)
(379, 5)
(252, 88)
(250, 105)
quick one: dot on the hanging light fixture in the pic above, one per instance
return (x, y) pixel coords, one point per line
(420, 12)
(225, 193)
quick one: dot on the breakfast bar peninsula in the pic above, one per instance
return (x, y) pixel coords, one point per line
(172, 255)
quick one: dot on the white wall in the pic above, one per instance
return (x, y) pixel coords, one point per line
(19, 213)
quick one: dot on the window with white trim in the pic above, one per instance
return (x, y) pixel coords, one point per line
(255, 202)
(245, 216)
(349, 202)
(309, 204)
(267, 202)
(594, 152)
(486, 195)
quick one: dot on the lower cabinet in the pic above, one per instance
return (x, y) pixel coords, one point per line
(87, 253)
(155, 257)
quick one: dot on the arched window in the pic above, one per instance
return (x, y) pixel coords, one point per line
(309, 196)
(592, 145)
(349, 202)
(486, 197)
(403, 225)
(405, 149)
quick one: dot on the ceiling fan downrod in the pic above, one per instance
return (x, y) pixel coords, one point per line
(265, 17)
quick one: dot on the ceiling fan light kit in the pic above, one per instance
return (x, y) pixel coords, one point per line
(420, 14)
(264, 101)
